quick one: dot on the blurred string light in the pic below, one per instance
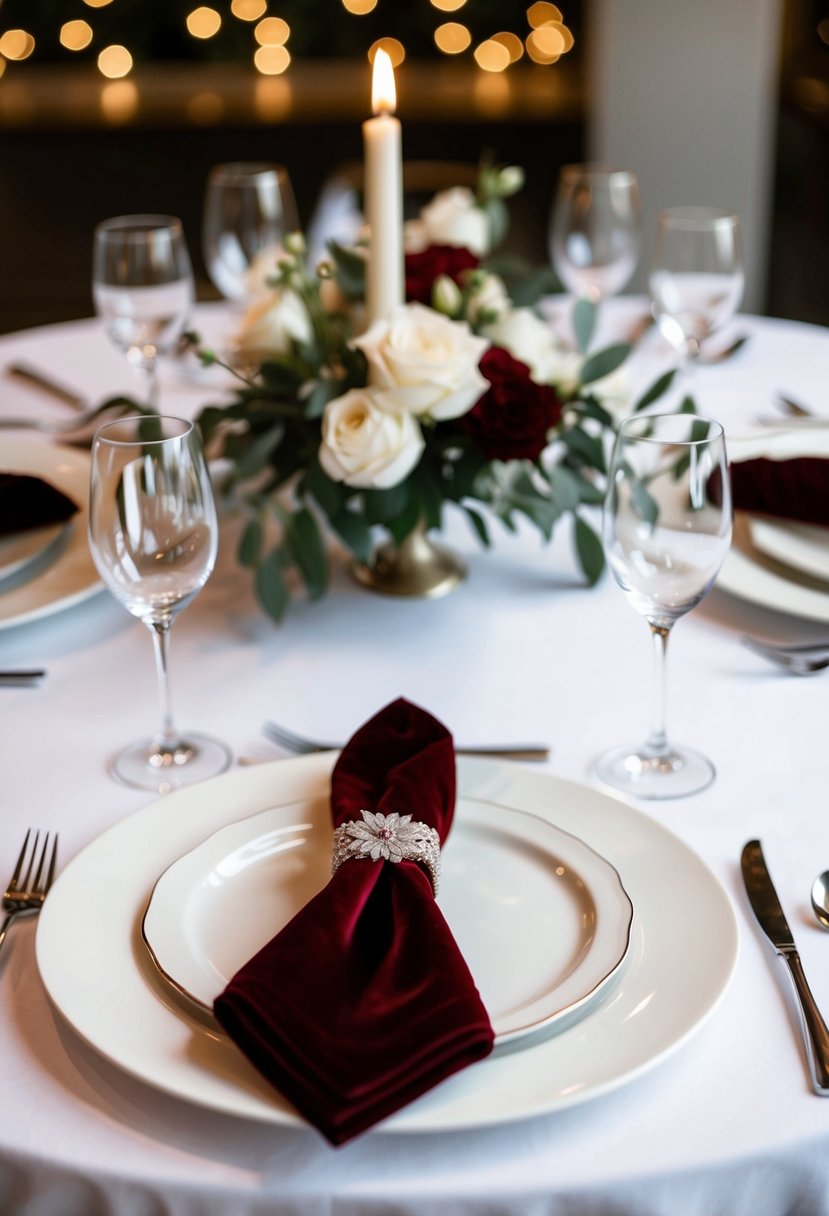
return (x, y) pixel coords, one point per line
(545, 39)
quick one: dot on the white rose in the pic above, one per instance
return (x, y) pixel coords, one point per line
(424, 363)
(489, 295)
(528, 338)
(272, 324)
(365, 445)
(453, 218)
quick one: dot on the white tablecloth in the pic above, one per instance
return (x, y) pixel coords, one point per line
(727, 1124)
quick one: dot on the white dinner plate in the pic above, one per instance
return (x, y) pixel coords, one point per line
(803, 547)
(761, 579)
(99, 976)
(22, 549)
(511, 885)
(71, 575)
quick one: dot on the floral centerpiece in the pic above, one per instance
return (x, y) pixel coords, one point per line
(462, 396)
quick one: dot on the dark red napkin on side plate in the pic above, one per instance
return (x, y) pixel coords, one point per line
(796, 489)
(363, 1002)
(28, 502)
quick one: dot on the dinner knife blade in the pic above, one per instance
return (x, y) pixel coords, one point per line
(772, 920)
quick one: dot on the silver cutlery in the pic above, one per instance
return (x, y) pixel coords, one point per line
(303, 746)
(771, 918)
(802, 660)
(48, 384)
(820, 898)
(33, 876)
(22, 677)
(720, 356)
(53, 426)
(795, 408)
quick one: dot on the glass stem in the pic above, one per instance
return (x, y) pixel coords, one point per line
(657, 741)
(166, 738)
(150, 371)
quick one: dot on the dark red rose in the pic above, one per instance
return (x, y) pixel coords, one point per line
(511, 420)
(423, 268)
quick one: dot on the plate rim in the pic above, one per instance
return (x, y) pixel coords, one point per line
(45, 460)
(577, 1006)
(465, 1101)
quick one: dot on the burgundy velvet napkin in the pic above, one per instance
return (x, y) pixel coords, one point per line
(791, 489)
(363, 1001)
(28, 502)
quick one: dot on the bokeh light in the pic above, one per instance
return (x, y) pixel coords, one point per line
(119, 101)
(271, 60)
(97, 3)
(272, 31)
(75, 35)
(394, 49)
(114, 61)
(542, 12)
(452, 38)
(205, 109)
(448, 6)
(514, 45)
(492, 56)
(360, 7)
(16, 44)
(547, 41)
(248, 10)
(204, 22)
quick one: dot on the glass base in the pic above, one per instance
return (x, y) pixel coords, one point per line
(633, 771)
(145, 766)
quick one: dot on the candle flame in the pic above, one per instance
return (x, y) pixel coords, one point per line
(383, 92)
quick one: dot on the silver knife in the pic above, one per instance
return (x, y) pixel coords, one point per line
(767, 909)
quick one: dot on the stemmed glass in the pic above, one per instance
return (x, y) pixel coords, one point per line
(249, 210)
(153, 536)
(696, 278)
(666, 531)
(595, 230)
(142, 282)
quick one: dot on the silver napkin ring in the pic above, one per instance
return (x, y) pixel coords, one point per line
(388, 838)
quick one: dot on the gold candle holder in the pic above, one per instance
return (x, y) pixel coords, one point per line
(416, 567)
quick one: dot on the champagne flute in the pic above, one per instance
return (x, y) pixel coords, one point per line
(696, 278)
(595, 230)
(153, 535)
(249, 210)
(666, 531)
(142, 284)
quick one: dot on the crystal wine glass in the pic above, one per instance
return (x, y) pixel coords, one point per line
(666, 531)
(696, 278)
(142, 283)
(595, 230)
(249, 210)
(153, 536)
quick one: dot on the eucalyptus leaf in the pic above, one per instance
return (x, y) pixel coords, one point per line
(257, 453)
(250, 543)
(306, 549)
(589, 551)
(350, 270)
(604, 362)
(270, 586)
(585, 314)
(354, 532)
(656, 390)
(643, 503)
(479, 524)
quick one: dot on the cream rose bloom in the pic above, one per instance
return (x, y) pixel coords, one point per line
(451, 218)
(365, 445)
(423, 363)
(272, 324)
(528, 338)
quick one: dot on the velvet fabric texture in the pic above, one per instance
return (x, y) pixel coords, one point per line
(28, 502)
(796, 489)
(363, 1001)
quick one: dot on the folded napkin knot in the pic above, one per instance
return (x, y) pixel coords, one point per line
(391, 837)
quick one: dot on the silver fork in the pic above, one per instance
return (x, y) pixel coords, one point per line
(802, 659)
(304, 746)
(32, 878)
(54, 426)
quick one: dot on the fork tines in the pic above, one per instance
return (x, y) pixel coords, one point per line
(39, 872)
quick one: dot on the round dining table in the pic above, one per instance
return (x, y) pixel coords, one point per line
(724, 1121)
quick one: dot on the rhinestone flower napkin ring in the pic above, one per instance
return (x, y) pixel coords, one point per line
(388, 838)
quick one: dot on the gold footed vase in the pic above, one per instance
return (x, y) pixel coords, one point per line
(417, 567)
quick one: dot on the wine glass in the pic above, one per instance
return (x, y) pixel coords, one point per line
(595, 230)
(249, 209)
(142, 284)
(153, 536)
(666, 531)
(696, 278)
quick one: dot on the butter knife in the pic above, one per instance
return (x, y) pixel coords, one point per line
(763, 899)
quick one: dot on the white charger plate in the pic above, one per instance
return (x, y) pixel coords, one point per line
(71, 577)
(761, 579)
(23, 548)
(803, 547)
(511, 886)
(98, 974)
